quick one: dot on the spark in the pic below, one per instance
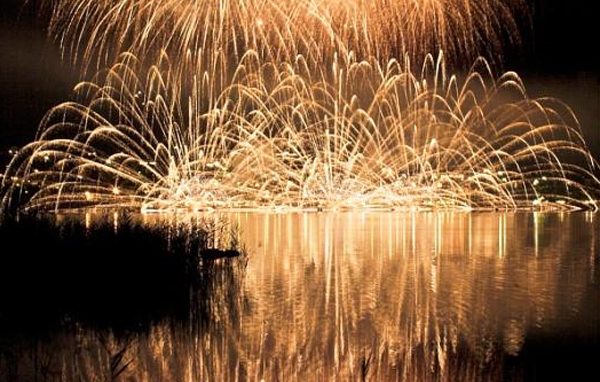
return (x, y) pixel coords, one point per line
(94, 32)
(358, 135)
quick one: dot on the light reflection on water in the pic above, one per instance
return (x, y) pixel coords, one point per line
(410, 291)
(381, 296)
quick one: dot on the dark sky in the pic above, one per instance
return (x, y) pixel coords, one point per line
(558, 58)
(560, 39)
(32, 75)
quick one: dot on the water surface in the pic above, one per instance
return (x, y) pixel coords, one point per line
(375, 296)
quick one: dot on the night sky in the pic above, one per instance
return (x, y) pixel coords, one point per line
(557, 58)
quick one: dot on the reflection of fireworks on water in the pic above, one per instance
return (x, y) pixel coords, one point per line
(389, 296)
(360, 135)
(94, 31)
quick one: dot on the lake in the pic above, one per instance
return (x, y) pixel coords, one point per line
(363, 296)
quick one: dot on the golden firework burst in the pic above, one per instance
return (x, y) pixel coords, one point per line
(95, 32)
(294, 136)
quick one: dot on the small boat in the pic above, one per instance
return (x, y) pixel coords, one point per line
(214, 254)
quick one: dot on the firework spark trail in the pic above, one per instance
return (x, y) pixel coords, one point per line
(356, 135)
(95, 32)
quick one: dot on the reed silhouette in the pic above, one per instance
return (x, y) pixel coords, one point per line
(57, 274)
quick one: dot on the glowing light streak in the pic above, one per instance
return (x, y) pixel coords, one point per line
(358, 135)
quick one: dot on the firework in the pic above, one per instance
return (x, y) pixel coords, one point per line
(290, 136)
(94, 32)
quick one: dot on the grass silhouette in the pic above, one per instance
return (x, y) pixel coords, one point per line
(52, 275)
